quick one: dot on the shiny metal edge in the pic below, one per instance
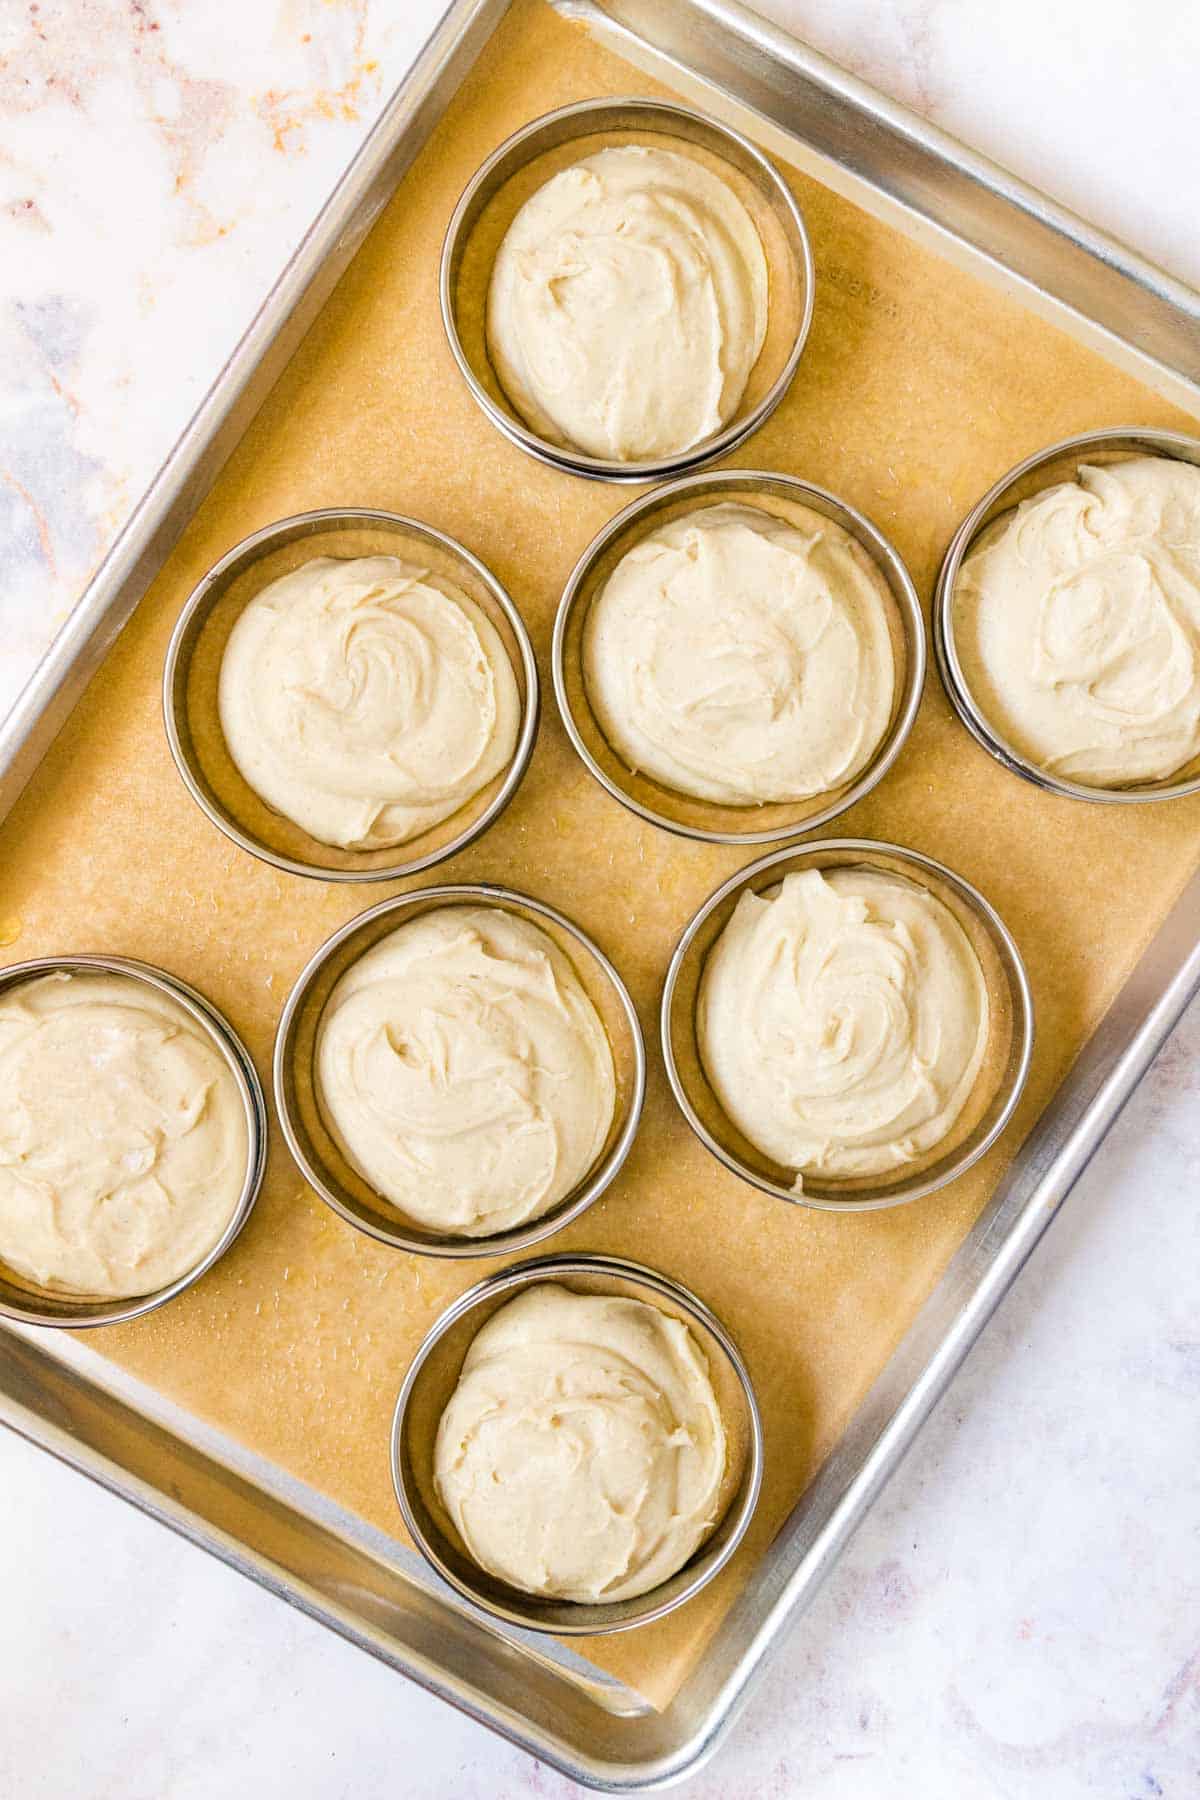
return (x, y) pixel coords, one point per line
(76, 1312)
(209, 590)
(226, 411)
(600, 1741)
(401, 1236)
(897, 165)
(1127, 440)
(978, 1142)
(778, 485)
(72, 1360)
(541, 135)
(514, 1608)
(967, 208)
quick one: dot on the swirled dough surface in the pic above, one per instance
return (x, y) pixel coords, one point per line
(842, 1022)
(123, 1139)
(628, 304)
(582, 1453)
(740, 658)
(366, 699)
(1077, 623)
(464, 1072)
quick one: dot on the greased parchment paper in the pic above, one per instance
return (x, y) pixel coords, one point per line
(919, 386)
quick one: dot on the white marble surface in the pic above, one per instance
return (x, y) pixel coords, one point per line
(1019, 1619)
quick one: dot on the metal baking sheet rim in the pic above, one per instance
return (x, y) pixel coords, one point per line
(915, 175)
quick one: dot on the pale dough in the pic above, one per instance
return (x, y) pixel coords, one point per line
(740, 658)
(123, 1139)
(1077, 624)
(842, 1021)
(464, 1071)
(367, 699)
(581, 1455)
(628, 305)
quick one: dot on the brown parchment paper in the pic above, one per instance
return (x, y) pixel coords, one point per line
(919, 386)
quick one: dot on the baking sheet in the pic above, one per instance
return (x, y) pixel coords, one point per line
(917, 388)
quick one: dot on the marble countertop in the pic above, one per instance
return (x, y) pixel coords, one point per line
(1019, 1618)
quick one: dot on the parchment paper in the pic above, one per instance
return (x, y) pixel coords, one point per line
(919, 386)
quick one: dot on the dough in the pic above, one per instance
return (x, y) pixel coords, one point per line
(739, 658)
(464, 1072)
(1077, 624)
(123, 1140)
(842, 1022)
(366, 699)
(582, 1453)
(628, 305)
